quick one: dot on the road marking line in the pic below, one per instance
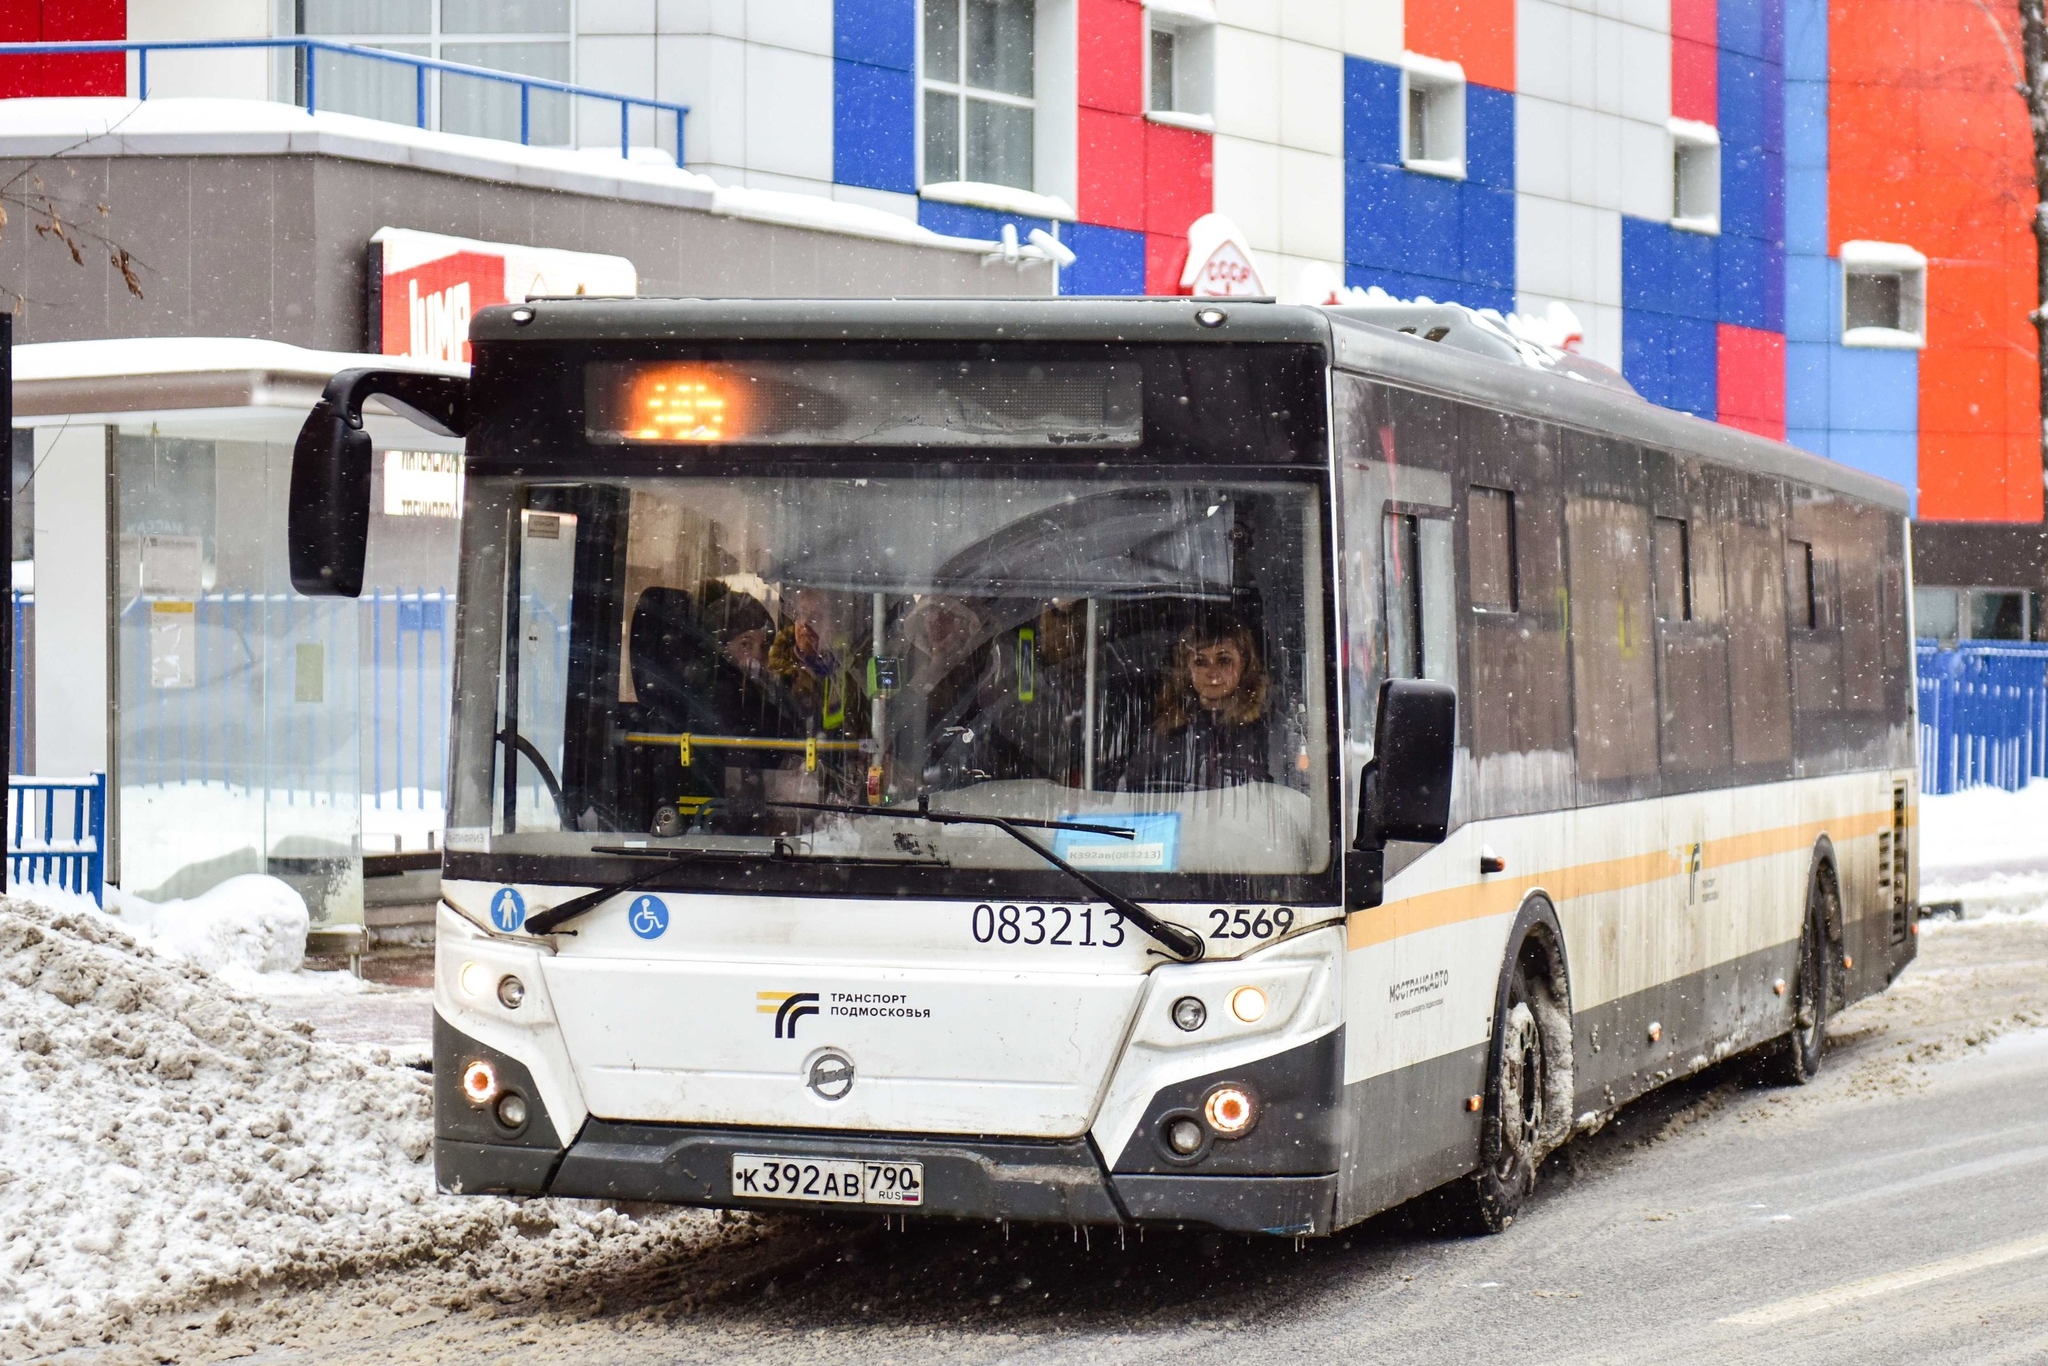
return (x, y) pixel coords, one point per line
(1785, 1311)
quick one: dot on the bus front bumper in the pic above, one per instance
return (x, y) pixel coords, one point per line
(996, 1179)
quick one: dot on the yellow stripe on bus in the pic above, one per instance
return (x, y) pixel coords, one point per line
(1477, 901)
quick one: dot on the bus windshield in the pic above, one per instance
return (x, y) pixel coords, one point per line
(687, 662)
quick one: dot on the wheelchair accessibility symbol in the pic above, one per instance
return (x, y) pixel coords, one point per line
(508, 910)
(649, 917)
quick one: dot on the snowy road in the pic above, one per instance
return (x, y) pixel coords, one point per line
(1895, 1211)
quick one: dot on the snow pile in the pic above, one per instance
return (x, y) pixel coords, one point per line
(254, 922)
(162, 1139)
(1987, 848)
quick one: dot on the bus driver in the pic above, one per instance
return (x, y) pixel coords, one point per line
(1210, 729)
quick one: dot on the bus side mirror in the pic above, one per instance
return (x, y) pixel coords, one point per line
(1405, 791)
(329, 521)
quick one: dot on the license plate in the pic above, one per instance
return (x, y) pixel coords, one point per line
(822, 1179)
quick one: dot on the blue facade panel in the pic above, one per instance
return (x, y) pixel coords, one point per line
(1373, 225)
(1806, 211)
(1809, 299)
(1740, 27)
(1806, 384)
(1487, 224)
(1874, 391)
(1695, 271)
(1417, 235)
(1888, 455)
(874, 127)
(876, 32)
(1490, 137)
(964, 220)
(1106, 260)
(1372, 112)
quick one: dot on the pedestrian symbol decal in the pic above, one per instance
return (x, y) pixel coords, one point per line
(649, 917)
(508, 910)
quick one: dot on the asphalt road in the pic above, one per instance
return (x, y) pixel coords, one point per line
(1895, 1211)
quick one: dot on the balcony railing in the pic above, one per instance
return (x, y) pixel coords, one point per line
(308, 76)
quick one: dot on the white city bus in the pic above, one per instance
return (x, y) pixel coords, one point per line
(1123, 761)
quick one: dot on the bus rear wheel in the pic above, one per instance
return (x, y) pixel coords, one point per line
(1795, 1059)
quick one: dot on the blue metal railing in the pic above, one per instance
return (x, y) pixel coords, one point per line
(57, 833)
(1983, 715)
(310, 79)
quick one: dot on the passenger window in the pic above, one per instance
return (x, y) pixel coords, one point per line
(1671, 550)
(1490, 548)
(1747, 514)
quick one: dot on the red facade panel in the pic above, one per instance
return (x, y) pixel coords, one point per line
(1751, 380)
(1112, 55)
(1165, 258)
(1695, 60)
(58, 21)
(1180, 174)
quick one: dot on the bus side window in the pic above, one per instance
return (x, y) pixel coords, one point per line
(1748, 516)
(1490, 549)
(1614, 664)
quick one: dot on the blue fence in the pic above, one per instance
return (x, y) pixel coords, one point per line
(406, 712)
(1983, 715)
(309, 51)
(57, 833)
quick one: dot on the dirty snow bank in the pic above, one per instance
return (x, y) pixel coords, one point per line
(162, 1139)
(1987, 848)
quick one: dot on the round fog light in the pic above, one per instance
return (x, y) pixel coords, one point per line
(480, 1082)
(473, 979)
(1229, 1110)
(1248, 1004)
(1190, 1014)
(1184, 1136)
(512, 1110)
(511, 991)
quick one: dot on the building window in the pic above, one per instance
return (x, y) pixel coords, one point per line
(1432, 116)
(1884, 296)
(1695, 176)
(1180, 66)
(978, 106)
(526, 37)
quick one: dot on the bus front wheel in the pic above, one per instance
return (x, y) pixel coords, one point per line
(1527, 1105)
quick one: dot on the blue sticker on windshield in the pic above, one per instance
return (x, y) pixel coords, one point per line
(649, 917)
(1154, 845)
(508, 910)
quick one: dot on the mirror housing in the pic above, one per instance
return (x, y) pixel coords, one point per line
(329, 520)
(1404, 793)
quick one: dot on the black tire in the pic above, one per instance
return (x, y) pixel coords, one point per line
(1796, 1058)
(1511, 1141)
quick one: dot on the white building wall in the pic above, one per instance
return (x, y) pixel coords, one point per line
(1279, 145)
(1591, 143)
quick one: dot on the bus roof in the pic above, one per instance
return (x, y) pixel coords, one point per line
(1353, 343)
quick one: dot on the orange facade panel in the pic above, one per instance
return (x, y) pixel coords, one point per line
(1477, 34)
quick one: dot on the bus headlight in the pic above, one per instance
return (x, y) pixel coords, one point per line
(1230, 1111)
(1190, 1014)
(1248, 1004)
(474, 979)
(480, 1082)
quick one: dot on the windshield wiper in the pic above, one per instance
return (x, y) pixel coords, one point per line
(1182, 942)
(555, 916)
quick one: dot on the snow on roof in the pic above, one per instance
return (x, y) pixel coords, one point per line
(113, 126)
(124, 357)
